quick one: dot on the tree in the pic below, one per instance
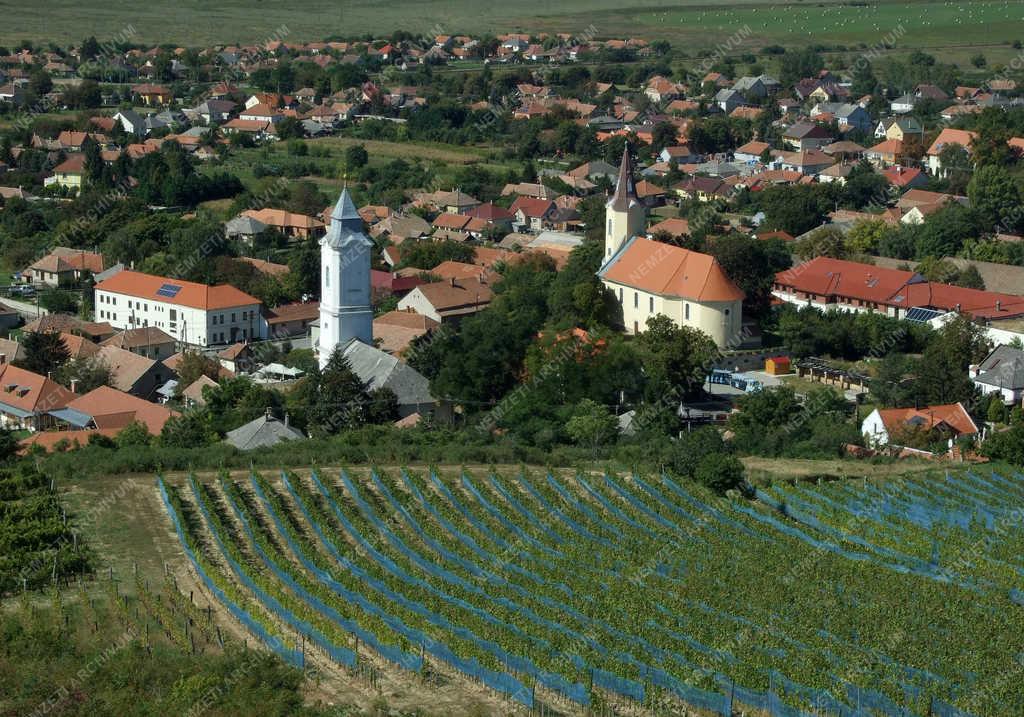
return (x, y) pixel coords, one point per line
(58, 301)
(332, 399)
(356, 157)
(9, 445)
(45, 351)
(719, 472)
(970, 278)
(94, 164)
(191, 429)
(193, 365)
(864, 80)
(796, 209)
(824, 241)
(995, 198)
(592, 424)
(90, 48)
(134, 434)
(945, 231)
(663, 135)
(799, 64)
(87, 373)
(751, 264)
(942, 371)
(865, 187)
(39, 82)
(675, 358)
(289, 128)
(865, 236)
(690, 448)
(956, 166)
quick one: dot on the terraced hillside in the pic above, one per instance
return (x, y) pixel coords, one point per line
(627, 593)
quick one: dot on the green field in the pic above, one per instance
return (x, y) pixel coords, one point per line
(695, 23)
(638, 595)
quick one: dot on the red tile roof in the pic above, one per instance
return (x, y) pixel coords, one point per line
(111, 408)
(928, 417)
(196, 296)
(659, 268)
(31, 392)
(532, 207)
(952, 136)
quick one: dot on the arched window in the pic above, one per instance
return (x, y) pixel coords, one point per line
(327, 276)
(609, 226)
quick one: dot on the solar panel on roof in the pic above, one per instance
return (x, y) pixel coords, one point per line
(168, 290)
(922, 315)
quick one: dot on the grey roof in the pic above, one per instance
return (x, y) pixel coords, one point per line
(264, 431)
(745, 83)
(168, 389)
(313, 127)
(1004, 367)
(131, 117)
(244, 226)
(381, 370)
(346, 225)
(107, 273)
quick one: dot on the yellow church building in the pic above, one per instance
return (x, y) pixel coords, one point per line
(649, 277)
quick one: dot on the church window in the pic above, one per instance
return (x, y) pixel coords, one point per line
(636, 299)
(609, 226)
(327, 276)
(726, 312)
(650, 309)
(687, 311)
(620, 294)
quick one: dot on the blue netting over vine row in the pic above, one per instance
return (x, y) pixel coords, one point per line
(291, 656)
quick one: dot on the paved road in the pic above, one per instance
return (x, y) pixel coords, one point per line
(28, 309)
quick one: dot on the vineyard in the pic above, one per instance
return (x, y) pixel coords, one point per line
(626, 594)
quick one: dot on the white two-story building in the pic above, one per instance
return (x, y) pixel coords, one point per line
(194, 314)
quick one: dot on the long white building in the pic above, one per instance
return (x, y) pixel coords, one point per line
(194, 314)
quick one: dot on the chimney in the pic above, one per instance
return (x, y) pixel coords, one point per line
(286, 419)
(999, 305)
(452, 281)
(3, 358)
(267, 414)
(74, 385)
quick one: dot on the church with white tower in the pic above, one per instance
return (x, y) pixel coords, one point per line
(346, 310)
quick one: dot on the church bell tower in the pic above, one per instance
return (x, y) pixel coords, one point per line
(345, 301)
(625, 216)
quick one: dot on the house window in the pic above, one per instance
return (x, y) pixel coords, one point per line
(609, 226)
(232, 317)
(620, 294)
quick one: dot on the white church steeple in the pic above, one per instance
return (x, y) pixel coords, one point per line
(345, 308)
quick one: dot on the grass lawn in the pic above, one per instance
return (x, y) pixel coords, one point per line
(694, 23)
